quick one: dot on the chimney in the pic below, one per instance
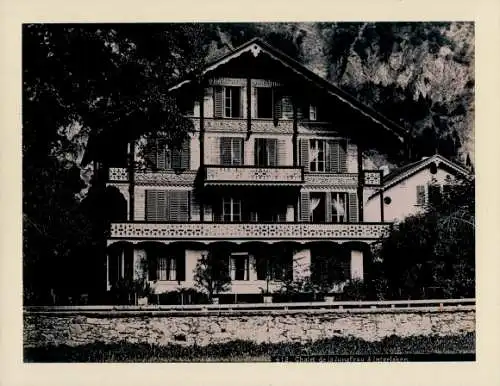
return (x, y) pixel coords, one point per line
(385, 170)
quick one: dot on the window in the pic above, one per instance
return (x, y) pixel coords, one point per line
(166, 268)
(167, 205)
(313, 113)
(318, 155)
(232, 102)
(231, 151)
(420, 195)
(266, 152)
(231, 210)
(239, 266)
(286, 107)
(434, 194)
(264, 102)
(159, 156)
(339, 207)
(317, 207)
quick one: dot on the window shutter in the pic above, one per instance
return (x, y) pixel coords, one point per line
(420, 194)
(333, 157)
(218, 99)
(342, 156)
(180, 267)
(150, 153)
(304, 154)
(214, 156)
(277, 105)
(281, 152)
(195, 207)
(156, 205)
(242, 106)
(225, 151)
(328, 206)
(177, 201)
(185, 155)
(353, 207)
(304, 207)
(272, 144)
(161, 154)
(238, 151)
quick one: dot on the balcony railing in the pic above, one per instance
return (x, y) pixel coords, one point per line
(372, 177)
(118, 174)
(242, 174)
(239, 125)
(234, 231)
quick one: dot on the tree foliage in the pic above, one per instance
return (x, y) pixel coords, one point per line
(91, 87)
(211, 274)
(433, 253)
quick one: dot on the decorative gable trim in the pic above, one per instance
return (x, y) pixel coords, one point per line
(419, 166)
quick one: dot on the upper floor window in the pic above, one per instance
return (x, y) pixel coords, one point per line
(330, 207)
(231, 151)
(231, 209)
(435, 193)
(322, 155)
(266, 152)
(159, 156)
(265, 105)
(313, 113)
(339, 207)
(317, 155)
(232, 102)
(227, 102)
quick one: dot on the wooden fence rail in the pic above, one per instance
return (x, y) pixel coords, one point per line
(338, 306)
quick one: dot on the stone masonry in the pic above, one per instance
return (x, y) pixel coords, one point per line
(76, 329)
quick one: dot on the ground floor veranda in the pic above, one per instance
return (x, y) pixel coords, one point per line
(253, 266)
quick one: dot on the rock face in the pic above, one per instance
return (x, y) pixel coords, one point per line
(40, 330)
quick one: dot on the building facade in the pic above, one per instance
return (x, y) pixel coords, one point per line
(407, 190)
(272, 179)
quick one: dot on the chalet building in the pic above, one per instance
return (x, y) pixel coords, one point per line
(275, 170)
(406, 190)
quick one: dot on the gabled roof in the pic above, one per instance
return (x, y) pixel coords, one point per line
(257, 46)
(406, 171)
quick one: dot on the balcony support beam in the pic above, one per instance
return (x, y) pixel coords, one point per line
(360, 182)
(249, 110)
(131, 179)
(202, 143)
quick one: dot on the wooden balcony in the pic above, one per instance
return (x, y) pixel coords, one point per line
(238, 175)
(206, 232)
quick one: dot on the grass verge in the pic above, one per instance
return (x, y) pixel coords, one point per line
(244, 351)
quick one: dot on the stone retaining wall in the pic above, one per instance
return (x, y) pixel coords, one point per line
(75, 329)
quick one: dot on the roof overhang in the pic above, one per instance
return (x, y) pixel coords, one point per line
(419, 166)
(258, 47)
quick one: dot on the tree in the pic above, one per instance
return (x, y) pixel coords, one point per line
(89, 87)
(211, 274)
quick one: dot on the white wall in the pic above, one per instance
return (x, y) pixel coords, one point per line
(403, 197)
